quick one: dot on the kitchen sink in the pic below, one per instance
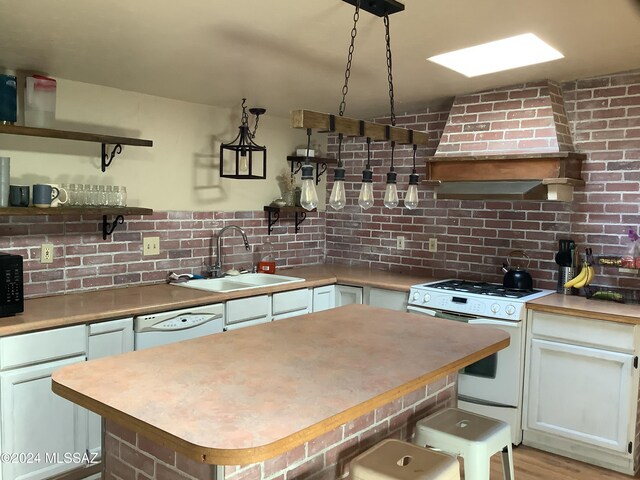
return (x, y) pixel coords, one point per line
(239, 282)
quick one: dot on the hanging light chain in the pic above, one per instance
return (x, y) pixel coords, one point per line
(255, 127)
(347, 72)
(245, 117)
(390, 70)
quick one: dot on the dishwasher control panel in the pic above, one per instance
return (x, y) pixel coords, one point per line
(184, 321)
(178, 319)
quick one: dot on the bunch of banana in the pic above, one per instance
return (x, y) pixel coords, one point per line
(584, 278)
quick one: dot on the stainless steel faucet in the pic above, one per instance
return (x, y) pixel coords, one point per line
(216, 269)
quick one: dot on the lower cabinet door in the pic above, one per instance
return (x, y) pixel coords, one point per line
(48, 429)
(324, 298)
(346, 295)
(106, 339)
(580, 393)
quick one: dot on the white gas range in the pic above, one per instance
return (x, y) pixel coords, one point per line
(492, 386)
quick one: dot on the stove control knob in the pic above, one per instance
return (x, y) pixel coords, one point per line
(510, 309)
(416, 296)
(426, 299)
(495, 308)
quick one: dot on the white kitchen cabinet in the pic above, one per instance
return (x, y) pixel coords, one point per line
(106, 339)
(581, 389)
(291, 303)
(34, 419)
(383, 298)
(347, 294)
(245, 312)
(324, 298)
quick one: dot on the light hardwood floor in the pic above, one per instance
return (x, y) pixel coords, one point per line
(532, 464)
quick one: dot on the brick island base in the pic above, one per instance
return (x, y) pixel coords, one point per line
(130, 456)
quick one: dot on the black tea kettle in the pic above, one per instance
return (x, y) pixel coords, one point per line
(518, 278)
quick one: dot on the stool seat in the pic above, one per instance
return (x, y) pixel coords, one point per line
(473, 437)
(397, 460)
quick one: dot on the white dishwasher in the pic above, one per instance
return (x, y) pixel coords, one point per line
(177, 325)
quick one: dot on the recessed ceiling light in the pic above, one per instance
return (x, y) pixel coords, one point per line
(505, 54)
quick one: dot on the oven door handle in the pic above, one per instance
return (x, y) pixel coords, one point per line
(421, 310)
(497, 323)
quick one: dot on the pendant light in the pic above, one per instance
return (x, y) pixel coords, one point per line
(365, 199)
(238, 156)
(391, 192)
(338, 197)
(411, 198)
(308, 196)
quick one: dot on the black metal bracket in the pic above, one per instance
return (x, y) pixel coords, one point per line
(379, 8)
(107, 159)
(276, 217)
(320, 171)
(108, 228)
(298, 167)
(302, 216)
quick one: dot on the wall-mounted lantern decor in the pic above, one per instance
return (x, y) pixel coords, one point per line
(243, 158)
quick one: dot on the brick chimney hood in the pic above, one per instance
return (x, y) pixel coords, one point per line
(510, 143)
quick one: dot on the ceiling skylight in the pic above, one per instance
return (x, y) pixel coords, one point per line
(505, 54)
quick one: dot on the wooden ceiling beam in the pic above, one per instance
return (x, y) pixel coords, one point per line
(351, 128)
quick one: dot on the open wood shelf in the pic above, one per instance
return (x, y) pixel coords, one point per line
(297, 158)
(26, 211)
(70, 135)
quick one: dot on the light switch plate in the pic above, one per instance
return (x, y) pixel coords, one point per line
(400, 243)
(151, 246)
(433, 245)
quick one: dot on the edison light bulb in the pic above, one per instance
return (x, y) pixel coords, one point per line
(365, 200)
(309, 196)
(391, 192)
(411, 198)
(338, 197)
(243, 165)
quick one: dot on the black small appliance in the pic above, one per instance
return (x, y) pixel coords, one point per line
(11, 285)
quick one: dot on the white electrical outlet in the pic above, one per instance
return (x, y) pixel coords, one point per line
(46, 253)
(400, 243)
(433, 244)
(151, 246)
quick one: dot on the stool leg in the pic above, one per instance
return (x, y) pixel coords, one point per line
(476, 467)
(507, 463)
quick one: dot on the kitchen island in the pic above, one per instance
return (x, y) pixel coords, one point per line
(297, 398)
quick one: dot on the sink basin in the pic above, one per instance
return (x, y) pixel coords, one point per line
(239, 282)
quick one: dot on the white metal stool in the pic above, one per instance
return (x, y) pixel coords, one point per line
(397, 460)
(473, 437)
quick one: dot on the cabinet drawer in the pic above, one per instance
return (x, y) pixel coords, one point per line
(31, 348)
(285, 302)
(583, 331)
(245, 309)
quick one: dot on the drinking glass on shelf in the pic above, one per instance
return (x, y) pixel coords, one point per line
(121, 195)
(101, 195)
(80, 199)
(111, 199)
(86, 199)
(72, 189)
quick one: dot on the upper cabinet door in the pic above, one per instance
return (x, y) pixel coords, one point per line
(580, 393)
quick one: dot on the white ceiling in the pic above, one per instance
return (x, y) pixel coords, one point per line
(291, 54)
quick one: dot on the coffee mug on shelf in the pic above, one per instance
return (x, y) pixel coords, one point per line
(62, 198)
(44, 194)
(19, 195)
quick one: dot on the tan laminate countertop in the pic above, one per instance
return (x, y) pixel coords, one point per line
(87, 307)
(254, 393)
(583, 307)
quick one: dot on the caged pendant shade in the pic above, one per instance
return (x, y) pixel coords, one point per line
(242, 158)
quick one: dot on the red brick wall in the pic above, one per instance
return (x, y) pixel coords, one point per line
(475, 237)
(521, 118)
(82, 260)
(132, 456)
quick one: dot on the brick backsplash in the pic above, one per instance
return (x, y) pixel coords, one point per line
(83, 260)
(475, 237)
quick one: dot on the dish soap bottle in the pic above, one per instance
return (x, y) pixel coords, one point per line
(267, 263)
